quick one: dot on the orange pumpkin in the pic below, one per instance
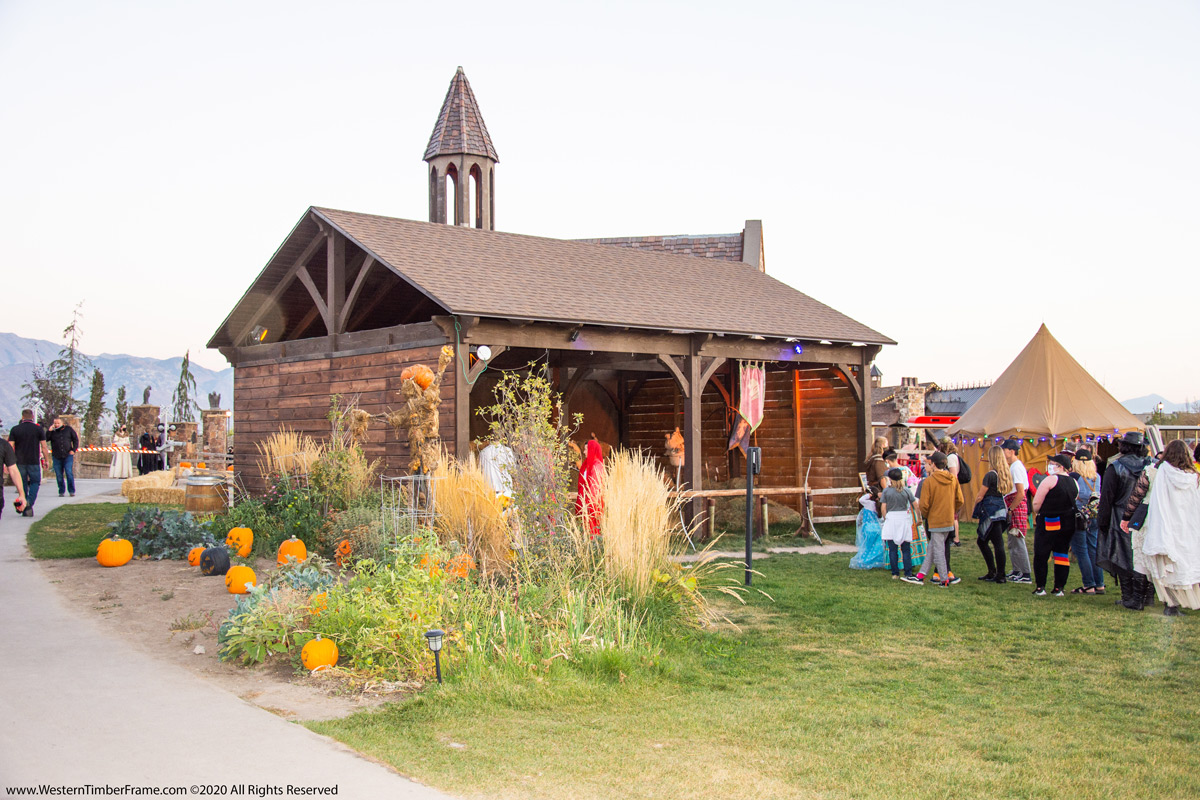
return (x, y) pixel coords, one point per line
(185, 465)
(319, 654)
(202, 465)
(240, 540)
(240, 580)
(291, 548)
(114, 552)
(420, 373)
(194, 556)
(343, 552)
(318, 603)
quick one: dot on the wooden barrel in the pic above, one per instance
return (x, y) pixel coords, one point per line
(204, 494)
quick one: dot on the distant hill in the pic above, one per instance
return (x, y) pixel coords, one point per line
(1149, 404)
(18, 356)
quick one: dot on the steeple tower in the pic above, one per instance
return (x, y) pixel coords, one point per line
(462, 161)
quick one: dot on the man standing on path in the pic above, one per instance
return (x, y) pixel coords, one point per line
(8, 464)
(26, 439)
(1018, 514)
(64, 441)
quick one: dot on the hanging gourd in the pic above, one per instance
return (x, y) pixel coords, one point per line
(114, 552)
(342, 553)
(318, 603)
(240, 580)
(240, 540)
(319, 654)
(291, 548)
(420, 373)
(194, 556)
(214, 561)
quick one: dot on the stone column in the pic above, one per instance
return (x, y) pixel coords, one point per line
(73, 421)
(910, 402)
(185, 434)
(216, 430)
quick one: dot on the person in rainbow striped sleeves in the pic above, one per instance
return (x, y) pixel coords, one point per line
(1054, 508)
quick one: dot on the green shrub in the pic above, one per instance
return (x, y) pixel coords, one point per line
(265, 622)
(162, 533)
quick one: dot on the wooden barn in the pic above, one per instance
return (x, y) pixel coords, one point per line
(642, 335)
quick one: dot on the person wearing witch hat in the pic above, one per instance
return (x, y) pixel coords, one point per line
(1114, 552)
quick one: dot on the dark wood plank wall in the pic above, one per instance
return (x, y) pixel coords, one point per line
(828, 436)
(296, 395)
(657, 409)
(828, 432)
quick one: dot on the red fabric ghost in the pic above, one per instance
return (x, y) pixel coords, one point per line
(588, 502)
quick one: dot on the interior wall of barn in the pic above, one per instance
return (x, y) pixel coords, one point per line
(296, 395)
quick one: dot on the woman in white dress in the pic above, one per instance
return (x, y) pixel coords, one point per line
(121, 466)
(1169, 541)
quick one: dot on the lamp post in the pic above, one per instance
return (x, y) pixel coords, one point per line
(433, 638)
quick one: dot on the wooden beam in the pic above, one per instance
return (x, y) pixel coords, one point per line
(669, 362)
(480, 365)
(692, 429)
(309, 284)
(352, 298)
(577, 377)
(713, 365)
(797, 441)
(556, 336)
(271, 299)
(847, 374)
(305, 323)
(335, 280)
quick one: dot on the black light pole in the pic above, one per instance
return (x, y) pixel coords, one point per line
(753, 465)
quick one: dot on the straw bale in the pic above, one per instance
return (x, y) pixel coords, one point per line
(171, 496)
(160, 479)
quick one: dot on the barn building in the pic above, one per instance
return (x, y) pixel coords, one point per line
(641, 334)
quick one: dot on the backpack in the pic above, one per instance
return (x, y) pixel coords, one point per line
(964, 472)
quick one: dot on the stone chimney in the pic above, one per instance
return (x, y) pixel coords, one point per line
(910, 402)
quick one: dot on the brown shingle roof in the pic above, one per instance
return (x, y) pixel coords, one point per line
(511, 276)
(459, 127)
(727, 246)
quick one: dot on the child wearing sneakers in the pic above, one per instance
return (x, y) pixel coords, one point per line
(941, 499)
(896, 505)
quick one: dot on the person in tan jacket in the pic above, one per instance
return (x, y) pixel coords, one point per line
(941, 499)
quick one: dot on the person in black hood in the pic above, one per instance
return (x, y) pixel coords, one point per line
(1114, 552)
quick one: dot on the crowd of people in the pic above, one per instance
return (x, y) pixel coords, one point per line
(1138, 521)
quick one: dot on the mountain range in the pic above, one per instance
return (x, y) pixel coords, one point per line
(1148, 404)
(18, 356)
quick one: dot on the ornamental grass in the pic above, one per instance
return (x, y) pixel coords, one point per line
(287, 452)
(470, 513)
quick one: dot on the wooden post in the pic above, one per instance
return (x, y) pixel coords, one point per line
(693, 463)
(711, 521)
(864, 401)
(796, 442)
(764, 524)
(335, 283)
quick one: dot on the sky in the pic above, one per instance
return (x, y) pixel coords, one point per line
(952, 174)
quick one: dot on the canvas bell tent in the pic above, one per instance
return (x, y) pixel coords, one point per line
(1045, 398)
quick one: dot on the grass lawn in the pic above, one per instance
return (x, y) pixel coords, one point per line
(75, 530)
(848, 685)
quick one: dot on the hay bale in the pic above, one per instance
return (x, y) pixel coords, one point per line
(162, 479)
(170, 496)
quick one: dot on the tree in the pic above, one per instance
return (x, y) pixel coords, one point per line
(184, 405)
(95, 409)
(69, 369)
(51, 388)
(120, 410)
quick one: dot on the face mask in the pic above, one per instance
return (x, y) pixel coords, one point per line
(1053, 469)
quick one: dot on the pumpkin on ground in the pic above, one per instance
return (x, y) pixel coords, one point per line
(240, 580)
(240, 540)
(214, 561)
(292, 548)
(319, 654)
(420, 373)
(114, 552)
(194, 556)
(318, 603)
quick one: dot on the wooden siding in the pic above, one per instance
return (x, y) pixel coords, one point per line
(828, 432)
(296, 395)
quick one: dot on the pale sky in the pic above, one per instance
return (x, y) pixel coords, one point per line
(952, 174)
